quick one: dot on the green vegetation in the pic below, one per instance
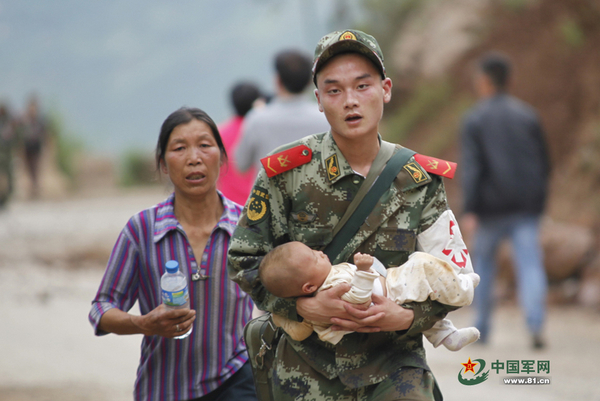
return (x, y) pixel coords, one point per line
(589, 152)
(447, 126)
(423, 105)
(572, 33)
(385, 18)
(67, 147)
(137, 168)
(516, 5)
(432, 108)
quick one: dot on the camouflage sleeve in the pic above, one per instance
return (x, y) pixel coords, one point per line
(435, 203)
(426, 314)
(262, 226)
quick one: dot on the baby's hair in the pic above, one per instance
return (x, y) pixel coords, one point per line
(278, 273)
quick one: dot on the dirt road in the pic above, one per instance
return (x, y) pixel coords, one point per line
(52, 256)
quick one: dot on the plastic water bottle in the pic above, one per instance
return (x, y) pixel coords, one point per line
(175, 295)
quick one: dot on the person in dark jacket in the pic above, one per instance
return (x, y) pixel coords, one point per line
(505, 183)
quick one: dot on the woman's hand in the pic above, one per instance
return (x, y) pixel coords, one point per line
(165, 322)
(159, 321)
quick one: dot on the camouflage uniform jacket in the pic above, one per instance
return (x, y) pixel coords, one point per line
(304, 204)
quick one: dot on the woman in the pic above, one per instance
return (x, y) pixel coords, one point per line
(192, 226)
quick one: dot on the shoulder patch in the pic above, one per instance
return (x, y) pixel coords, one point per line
(286, 160)
(436, 166)
(258, 206)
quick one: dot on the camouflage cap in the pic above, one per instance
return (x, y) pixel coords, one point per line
(349, 40)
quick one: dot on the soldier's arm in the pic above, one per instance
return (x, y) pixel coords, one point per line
(262, 226)
(426, 313)
(436, 210)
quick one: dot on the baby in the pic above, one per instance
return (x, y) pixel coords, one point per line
(293, 270)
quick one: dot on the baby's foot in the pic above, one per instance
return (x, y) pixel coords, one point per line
(475, 277)
(363, 261)
(461, 338)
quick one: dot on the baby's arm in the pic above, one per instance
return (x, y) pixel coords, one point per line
(363, 261)
(362, 279)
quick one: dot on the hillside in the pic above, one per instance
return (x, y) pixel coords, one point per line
(554, 47)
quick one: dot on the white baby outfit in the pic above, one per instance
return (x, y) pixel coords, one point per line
(445, 276)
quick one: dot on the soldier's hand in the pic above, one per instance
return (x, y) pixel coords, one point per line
(324, 305)
(383, 315)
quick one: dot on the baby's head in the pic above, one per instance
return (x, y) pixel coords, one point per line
(293, 270)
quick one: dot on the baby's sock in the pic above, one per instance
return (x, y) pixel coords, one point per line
(461, 338)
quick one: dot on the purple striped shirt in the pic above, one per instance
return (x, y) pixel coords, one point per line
(189, 368)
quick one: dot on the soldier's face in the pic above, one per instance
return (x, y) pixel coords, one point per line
(351, 93)
(192, 159)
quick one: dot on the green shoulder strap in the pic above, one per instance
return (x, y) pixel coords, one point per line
(347, 230)
(386, 150)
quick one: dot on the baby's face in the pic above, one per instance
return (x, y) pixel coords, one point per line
(321, 267)
(321, 261)
(317, 262)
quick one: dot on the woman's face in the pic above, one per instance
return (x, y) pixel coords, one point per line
(192, 159)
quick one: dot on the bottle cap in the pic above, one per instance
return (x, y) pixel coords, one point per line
(172, 266)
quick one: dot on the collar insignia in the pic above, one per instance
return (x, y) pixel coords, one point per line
(333, 168)
(415, 171)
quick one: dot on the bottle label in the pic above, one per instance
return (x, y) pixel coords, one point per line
(175, 298)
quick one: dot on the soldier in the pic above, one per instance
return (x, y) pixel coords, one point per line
(7, 139)
(303, 192)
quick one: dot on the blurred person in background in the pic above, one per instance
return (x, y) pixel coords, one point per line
(7, 139)
(234, 184)
(505, 171)
(34, 133)
(289, 116)
(192, 226)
